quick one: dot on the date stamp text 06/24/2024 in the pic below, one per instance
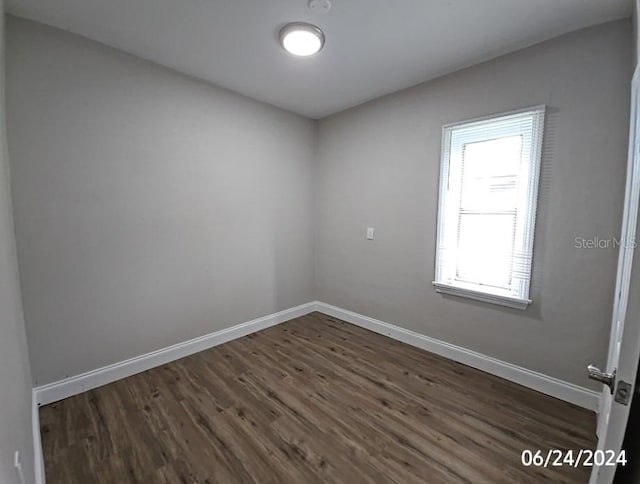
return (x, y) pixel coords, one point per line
(573, 458)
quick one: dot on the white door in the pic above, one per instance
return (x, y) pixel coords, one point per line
(624, 346)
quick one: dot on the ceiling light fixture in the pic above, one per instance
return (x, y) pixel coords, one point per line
(301, 39)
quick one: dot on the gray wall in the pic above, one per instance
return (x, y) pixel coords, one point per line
(378, 165)
(150, 208)
(15, 377)
(636, 38)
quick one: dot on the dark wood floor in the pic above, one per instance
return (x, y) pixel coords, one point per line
(312, 400)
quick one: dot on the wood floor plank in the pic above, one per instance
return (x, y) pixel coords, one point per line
(311, 400)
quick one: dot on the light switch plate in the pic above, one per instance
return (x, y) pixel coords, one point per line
(370, 232)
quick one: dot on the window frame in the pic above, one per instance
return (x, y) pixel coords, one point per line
(517, 296)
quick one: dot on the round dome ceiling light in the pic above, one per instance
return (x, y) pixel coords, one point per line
(301, 39)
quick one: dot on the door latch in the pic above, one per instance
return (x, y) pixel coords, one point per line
(623, 393)
(596, 374)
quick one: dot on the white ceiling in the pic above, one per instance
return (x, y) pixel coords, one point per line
(373, 47)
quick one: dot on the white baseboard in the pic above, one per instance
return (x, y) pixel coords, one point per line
(69, 387)
(74, 385)
(38, 459)
(568, 392)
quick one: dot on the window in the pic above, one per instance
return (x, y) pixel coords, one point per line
(486, 218)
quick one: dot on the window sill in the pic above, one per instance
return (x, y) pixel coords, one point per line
(511, 302)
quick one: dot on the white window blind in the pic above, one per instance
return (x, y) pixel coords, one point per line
(488, 191)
